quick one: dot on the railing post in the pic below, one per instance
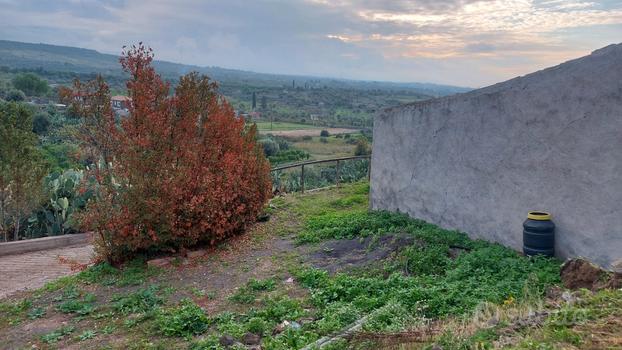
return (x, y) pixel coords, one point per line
(338, 173)
(369, 169)
(302, 179)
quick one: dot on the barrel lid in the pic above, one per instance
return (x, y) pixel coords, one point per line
(538, 215)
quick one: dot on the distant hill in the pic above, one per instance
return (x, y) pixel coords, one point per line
(53, 58)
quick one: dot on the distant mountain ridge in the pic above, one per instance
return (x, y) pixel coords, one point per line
(54, 58)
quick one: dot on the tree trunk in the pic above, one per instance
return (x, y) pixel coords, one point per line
(16, 229)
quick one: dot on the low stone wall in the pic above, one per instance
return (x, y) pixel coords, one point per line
(479, 161)
(32, 245)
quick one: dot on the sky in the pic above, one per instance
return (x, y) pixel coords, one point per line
(469, 43)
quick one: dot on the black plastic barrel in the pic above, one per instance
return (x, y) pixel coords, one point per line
(538, 234)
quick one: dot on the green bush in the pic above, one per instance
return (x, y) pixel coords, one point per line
(288, 156)
(362, 148)
(324, 133)
(15, 96)
(31, 84)
(40, 124)
(270, 147)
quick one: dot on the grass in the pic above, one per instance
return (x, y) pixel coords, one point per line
(332, 148)
(440, 276)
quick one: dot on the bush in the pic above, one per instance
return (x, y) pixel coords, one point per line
(15, 96)
(291, 155)
(362, 148)
(270, 147)
(40, 124)
(324, 133)
(180, 170)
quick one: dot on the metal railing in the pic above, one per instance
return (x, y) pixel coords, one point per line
(339, 161)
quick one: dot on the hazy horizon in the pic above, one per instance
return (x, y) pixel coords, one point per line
(454, 42)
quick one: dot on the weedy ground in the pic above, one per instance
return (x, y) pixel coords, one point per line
(322, 263)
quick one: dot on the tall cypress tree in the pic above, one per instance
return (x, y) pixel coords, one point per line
(264, 103)
(254, 100)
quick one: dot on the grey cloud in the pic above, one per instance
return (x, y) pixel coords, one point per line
(292, 36)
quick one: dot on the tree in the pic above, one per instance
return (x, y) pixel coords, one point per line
(270, 147)
(40, 123)
(362, 148)
(21, 167)
(264, 103)
(254, 101)
(178, 170)
(15, 96)
(30, 84)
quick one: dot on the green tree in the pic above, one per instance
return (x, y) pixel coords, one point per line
(362, 148)
(15, 95)
(31, 84)
(264, 103)
(21, 167)
(254, 100)
(40, 123)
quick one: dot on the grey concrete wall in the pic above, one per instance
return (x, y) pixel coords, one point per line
(479, 161)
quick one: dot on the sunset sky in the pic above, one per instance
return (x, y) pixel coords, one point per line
(459, 42)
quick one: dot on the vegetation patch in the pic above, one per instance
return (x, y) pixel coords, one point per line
(185, 320)
(140, 301)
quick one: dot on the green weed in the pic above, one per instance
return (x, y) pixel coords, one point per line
(55, 336)
(185, 320)
(86, 335)
(209, 343)
(36, 313)
(80, 307)
(249, 293)
(136, 272)
(142, 300)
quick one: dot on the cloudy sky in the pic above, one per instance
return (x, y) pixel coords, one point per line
(460, 42)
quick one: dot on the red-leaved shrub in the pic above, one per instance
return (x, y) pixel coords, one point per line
(178, 170)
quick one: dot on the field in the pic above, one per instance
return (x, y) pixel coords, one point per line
(287, 129)
(332, 148)
(320, 265)
(266, 126)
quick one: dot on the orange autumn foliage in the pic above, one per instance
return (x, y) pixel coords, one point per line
(179, 170)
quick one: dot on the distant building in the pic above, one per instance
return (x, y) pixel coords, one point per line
(255, 114)
(120, 102)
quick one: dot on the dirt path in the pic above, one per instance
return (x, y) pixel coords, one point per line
(32, 270)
